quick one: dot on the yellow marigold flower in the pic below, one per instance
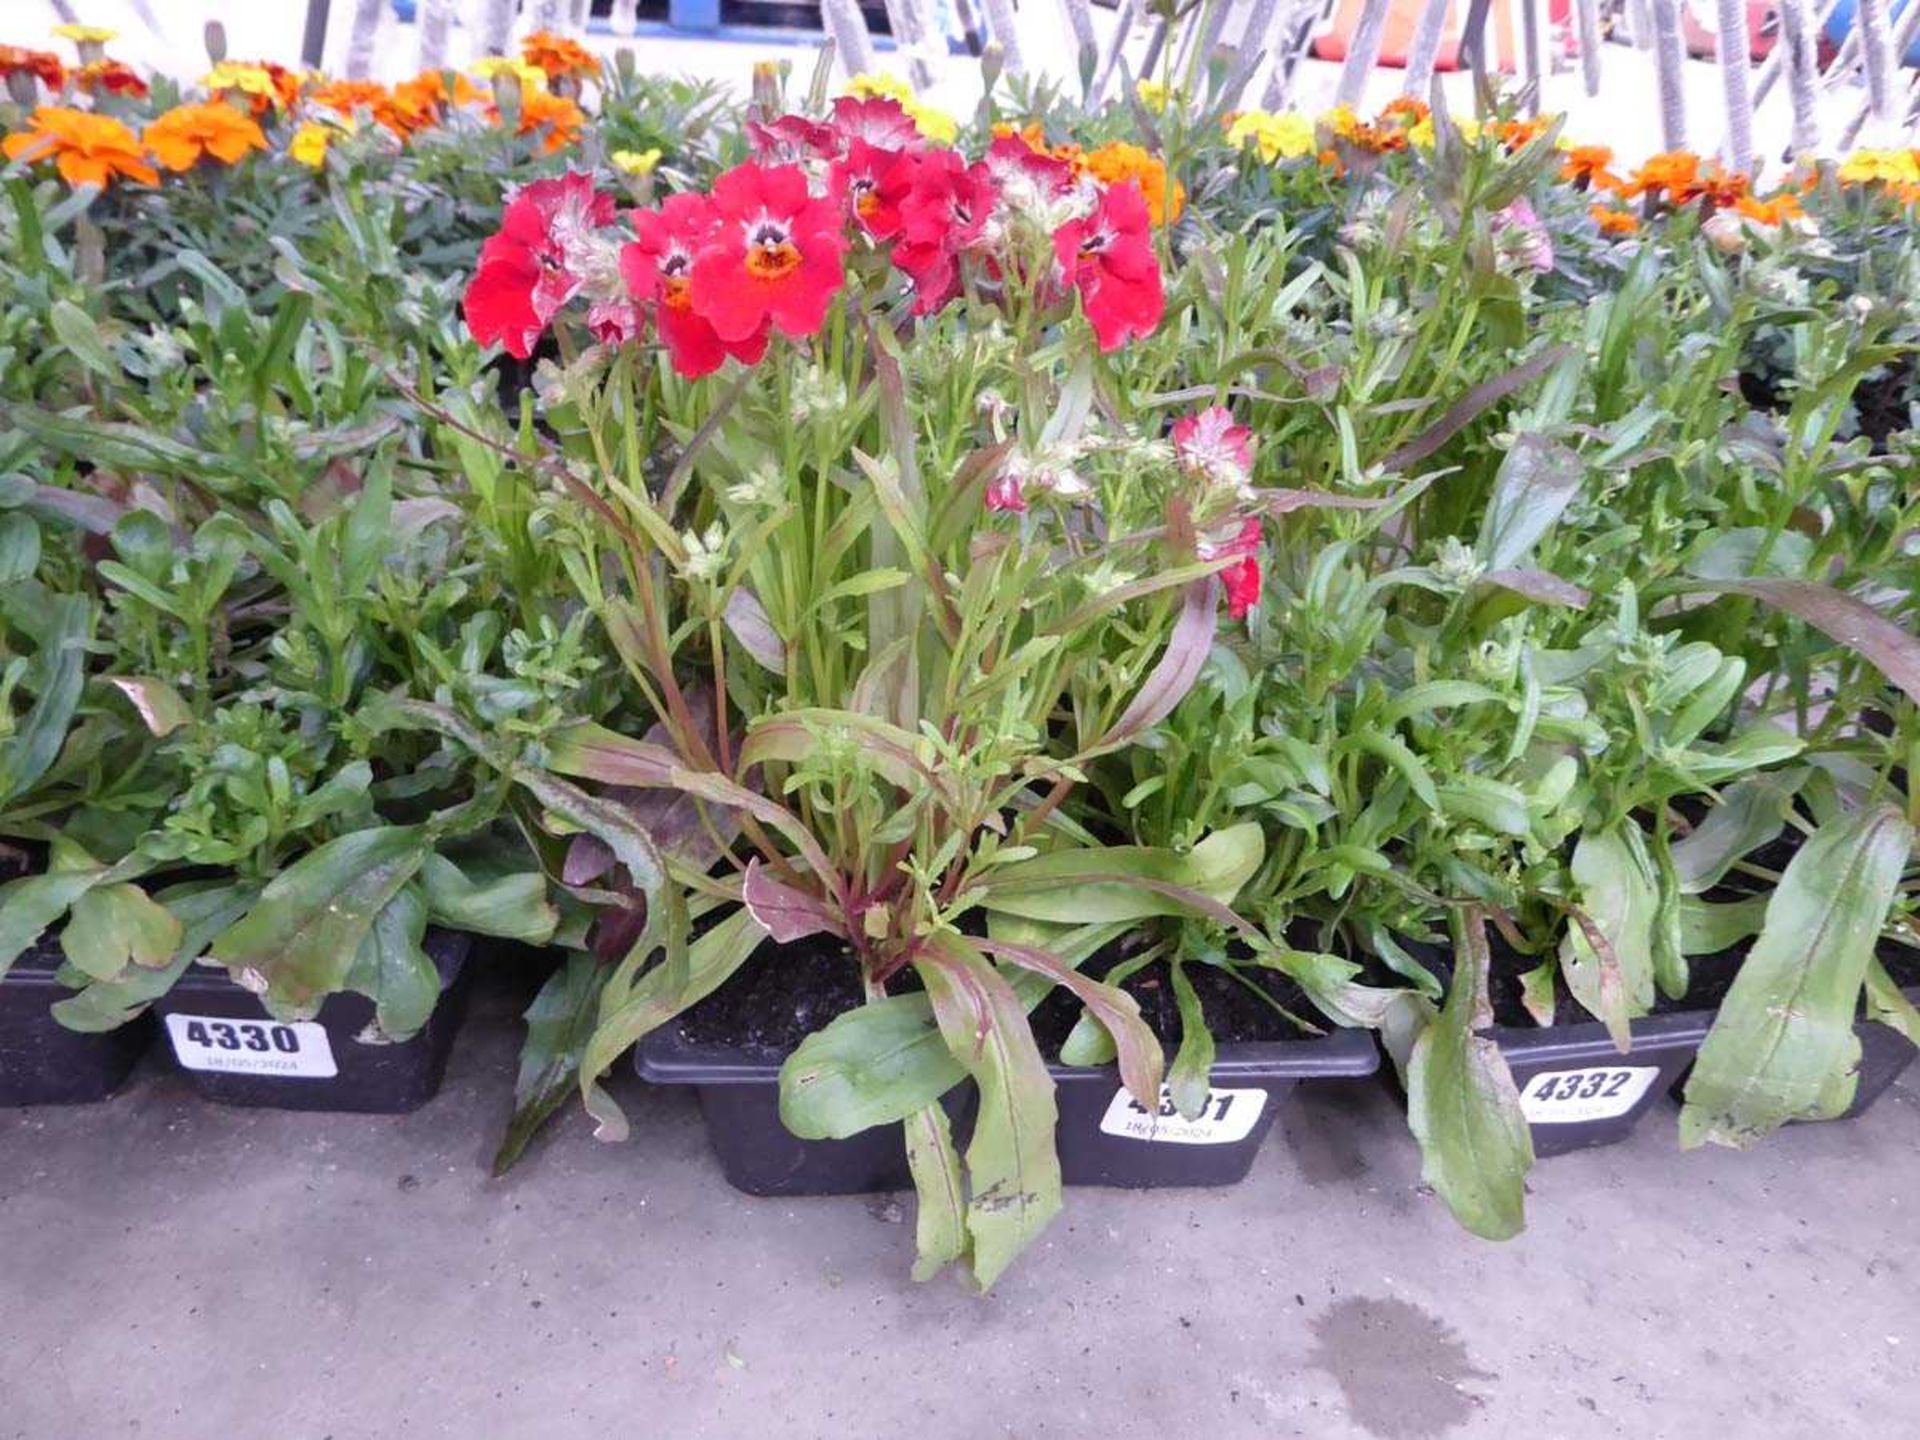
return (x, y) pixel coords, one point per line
(492, 65)
(1420, 133)
(1154, 94)
(86, 34)
(1283, 135)
(870, 83)
(933, 123)
(309, 144)
(183, 135)
(87, 149)
(635, 162)
(1886, 167)
(247, 79)
(1118, 162)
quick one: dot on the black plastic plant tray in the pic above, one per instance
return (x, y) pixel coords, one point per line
(1104, 1137)
(41, 1061)
(234, 1053)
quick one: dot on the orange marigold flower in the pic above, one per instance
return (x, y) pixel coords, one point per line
(1518, 134)
(424, 100)
(1407, 110)
(112, 76)
(87, 149)
(343, 97)
(1777, 209)
(557, 115)
(186, 133)
(43, 65)
(559, 56)
(1673, 173)
(1118, 161)
(1588, 165)
(1614, 222)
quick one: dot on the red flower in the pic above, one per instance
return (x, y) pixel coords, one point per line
(655, 267)
(877, 120)
(1109, 256)
(1242, 578)
(1003, 492)
(523, 277)
(871, 182)
(944, 213)
(1012, 161)
(1210, 446)
(792, 137)
(775, 257)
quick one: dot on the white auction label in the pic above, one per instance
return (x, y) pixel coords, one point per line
(1565, 1097)
(1227, 1116)
(297, 1051)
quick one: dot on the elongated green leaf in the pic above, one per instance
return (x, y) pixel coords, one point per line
(1012, 1169)
(161, 709)
(512, 906)
(58, 674)
(1537, 481)
(1130, 882)
(76, 330)
(876, 1065)
(1888, 1004)
(1611, 973)
(940, 1227)
(393, 969)
(1752, 811)
(1191, 1075)
(1783, 1045)
(559, 1022)
(1138, 1050)
(1851, 621)
(631, 1009)
(298, 943)
(1463, 1107)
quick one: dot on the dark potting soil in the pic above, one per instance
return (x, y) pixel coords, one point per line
(779, 997)
(785, 993)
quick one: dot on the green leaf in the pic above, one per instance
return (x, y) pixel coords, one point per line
(160, 706)
(1887, 1003)
(298, 943)
(1463, 1107)
(203, 912)
(559, 1022)
(75, 329)
(1191, 1075)
(1613, 979)
(32, 903)
(876, 1065)
(1012, 1168)
(19, 547)
(1708, 927)
(1783, 1046)
(1752, 811)
(1129, 882)
(940, 1228)
(1536, 482)
(59, 674)
(393, 969)
(1138, 1050)
(112, 926)
(512, 906)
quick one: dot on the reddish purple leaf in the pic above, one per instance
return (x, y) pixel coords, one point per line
(786, 912)
(1179, 666)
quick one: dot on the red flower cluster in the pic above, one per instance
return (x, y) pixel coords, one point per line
(766, 250)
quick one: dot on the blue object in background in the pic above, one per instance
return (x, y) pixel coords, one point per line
(1840, 23)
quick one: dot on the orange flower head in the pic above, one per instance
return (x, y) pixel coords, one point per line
(1406, 110)
(111, 76)
(1587, 165)
(1674, 174)
(43, 65)
(559, 56)
(343, 97)
(1615, 222)
(1117, 162)
(87, 149)
(559, 117)
(1034, 135)
(1518, 134)
(425, 100)
(186, 134)
(1775, 210)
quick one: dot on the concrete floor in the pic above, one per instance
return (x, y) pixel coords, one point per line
(173, 1269)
